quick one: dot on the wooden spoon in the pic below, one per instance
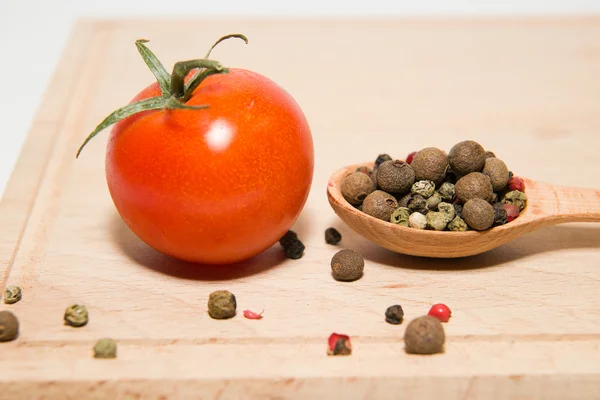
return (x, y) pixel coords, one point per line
(547, 205)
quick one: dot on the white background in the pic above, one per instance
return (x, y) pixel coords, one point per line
(33, 34)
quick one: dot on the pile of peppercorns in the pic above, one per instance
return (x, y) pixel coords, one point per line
(468, 188)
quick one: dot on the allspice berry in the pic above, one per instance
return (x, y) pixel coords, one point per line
(430, 164)
(221, 304)
(474, 186)
(380, 204)
(347, 265)
(424, 335)
(478, 214)
(9, 326)
(356, 186)
(497, 171)
(466, 157)
(395, 176)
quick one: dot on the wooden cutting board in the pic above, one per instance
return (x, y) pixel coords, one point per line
(526, 316)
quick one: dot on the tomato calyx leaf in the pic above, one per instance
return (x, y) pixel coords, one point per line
(175, 91)
(158, 70)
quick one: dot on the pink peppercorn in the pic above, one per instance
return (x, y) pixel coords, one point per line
(512, 211)
(516, 183)
(252, 315)
(441, 312)
(339, 344)
(410, 157)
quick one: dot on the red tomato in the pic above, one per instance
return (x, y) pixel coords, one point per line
(218, 185)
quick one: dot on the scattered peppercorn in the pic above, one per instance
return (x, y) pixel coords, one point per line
(9, 326)
(347, 265)
(466, 157)
(424, 335)
(512, 211)
(12, 294)
(76, 315)
(441, 312)
(478, 214)
(417, 220)
(293, 247)
(516, 183)
(332, 236)
(394, 314)
(457, 225)
(497, 171)
(287, 239)
(339, 345)
(430, 164)
(380, 204)
(105, 348)
(410, 157)
(517, 198)
(500, 217)
(400, 216)
(252, 315)
(424, 188)
(381, 159)
(356, 187)
(395, 177)
(433, 202)
(474, 185)
(221, 304)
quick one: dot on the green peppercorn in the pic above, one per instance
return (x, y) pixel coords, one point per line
(430, 164)
(424, 335)
(497, 171)
(105, 348)
(517, 198)
(466, 157)
(9, 326)
(76, 315)
(394, 314)
(12, 294)
(474, 185)
(380, 204)
(436, 220)
(447, 210)
(457, 225)
(478, 214)
(433, 201)
(347, 265)
(447, 191)
(332, 236)
(417, 220)
(356, 186)
(395, 176)
(400, 216)
(458, 209)
(424, 188)
(221, 304)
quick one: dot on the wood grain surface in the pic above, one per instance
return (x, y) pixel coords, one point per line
(526, 316)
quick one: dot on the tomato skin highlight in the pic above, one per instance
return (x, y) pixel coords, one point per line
(218, 185)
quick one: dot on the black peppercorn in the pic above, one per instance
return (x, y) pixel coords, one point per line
(466, 157)
(332, 236)
(394, 314)
(293, 248)
(356, 186)
(381, 159)
(458, 209)
(430, 164)
(395, 176)
(500, 215)
(415, 203)
(289, 237)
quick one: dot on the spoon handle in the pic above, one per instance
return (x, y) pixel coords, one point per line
(574, 204)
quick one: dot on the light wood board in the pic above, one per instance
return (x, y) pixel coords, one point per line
(526, 316)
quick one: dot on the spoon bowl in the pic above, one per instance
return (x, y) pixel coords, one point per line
(547, 205)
